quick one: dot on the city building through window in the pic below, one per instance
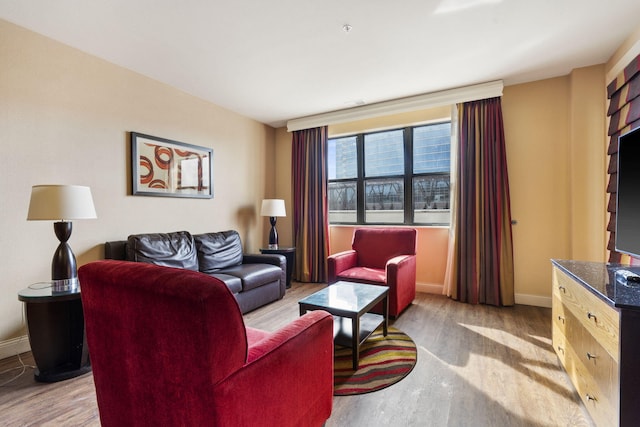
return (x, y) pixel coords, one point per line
(398, 176)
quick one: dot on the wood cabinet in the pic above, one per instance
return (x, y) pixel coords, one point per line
(596, 341)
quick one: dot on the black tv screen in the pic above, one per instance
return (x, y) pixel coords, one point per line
(628, 196)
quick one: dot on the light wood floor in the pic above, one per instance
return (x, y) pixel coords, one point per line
(477, 366)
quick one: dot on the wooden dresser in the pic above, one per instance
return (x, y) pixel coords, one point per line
(596, 335)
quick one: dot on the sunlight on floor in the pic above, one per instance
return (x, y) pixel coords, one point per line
(505, 364)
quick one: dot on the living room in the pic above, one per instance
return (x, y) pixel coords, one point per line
(69, 115)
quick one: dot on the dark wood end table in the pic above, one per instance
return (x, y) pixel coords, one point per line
(351, 301)
(289, 254)
(55, 321)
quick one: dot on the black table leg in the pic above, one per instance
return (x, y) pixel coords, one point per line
(355, 329)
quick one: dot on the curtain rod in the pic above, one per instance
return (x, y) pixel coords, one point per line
(401, 105)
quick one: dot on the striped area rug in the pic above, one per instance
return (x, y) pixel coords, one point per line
(383, 361)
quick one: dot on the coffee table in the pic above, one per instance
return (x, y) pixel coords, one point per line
(350, 303)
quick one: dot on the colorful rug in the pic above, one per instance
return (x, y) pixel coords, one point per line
(383, 361)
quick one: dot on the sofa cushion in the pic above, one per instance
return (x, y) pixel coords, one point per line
(255, 275)
(233, 283)
(218, 250)
(175, 249)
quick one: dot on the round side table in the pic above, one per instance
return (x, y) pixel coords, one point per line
(55, 322)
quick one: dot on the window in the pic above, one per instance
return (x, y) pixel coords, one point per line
(398, 176)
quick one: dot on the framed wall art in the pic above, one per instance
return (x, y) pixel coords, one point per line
(166, 168)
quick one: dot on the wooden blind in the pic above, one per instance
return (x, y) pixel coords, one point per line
(624, 115)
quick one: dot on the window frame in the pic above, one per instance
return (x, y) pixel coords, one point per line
(408, 177)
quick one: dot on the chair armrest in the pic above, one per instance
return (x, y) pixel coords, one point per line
(290, 372)
(339, 262)
(401, 269)
(399, 260)
(401, 277)
(288, 332)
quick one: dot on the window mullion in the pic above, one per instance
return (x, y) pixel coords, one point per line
(408, 174)
(360, 186)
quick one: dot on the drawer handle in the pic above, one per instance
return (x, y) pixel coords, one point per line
(560, 349)
(591, 356)
(591, 398)
(590, 315)
(560, 318)
(562, 288)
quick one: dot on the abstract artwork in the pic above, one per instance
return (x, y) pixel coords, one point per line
(162, 167)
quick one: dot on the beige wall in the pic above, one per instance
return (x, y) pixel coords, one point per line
(554, 130)
(536, 133)
(64, 118)
(588, 163)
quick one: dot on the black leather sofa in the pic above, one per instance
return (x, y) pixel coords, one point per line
(255, 280)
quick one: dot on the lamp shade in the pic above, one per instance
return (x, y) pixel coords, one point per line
(61, 202)
(273, 207)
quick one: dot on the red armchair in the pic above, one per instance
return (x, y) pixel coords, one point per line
(169, 348)
(380, 256)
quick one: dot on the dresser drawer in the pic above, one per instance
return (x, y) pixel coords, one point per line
(602, 408)
(559, 343)
(599, 319)
(559, 313)
(598, 363)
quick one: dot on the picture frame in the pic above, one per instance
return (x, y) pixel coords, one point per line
(167, 168)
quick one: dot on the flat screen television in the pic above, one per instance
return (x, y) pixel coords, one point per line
(628, 194)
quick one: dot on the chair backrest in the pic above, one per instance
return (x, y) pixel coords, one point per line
(375, 246)
(159, 340)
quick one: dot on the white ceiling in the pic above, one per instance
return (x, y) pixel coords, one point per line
(282, 59)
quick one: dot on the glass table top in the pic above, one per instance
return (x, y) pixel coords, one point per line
(345, 296)
(50, 290)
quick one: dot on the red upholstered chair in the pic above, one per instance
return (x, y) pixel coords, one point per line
(380, 256)
(169, 347)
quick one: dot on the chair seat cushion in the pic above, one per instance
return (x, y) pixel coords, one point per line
(254, 275)
(364, 274)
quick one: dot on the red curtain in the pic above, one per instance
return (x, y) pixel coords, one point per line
(310, 211)
(483, 246)
(624, 115)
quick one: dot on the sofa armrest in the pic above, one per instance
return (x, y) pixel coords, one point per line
(290, 372)
(339, 262)
(273, 259)
(116, 249)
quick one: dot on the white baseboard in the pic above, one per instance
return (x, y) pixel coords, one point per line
(523, 299)
(14, 346)
(429, 288)
(535, 300)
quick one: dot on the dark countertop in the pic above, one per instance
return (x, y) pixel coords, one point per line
(600, 279)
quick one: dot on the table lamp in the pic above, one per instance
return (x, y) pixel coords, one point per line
(273, 208)
(62, 203)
